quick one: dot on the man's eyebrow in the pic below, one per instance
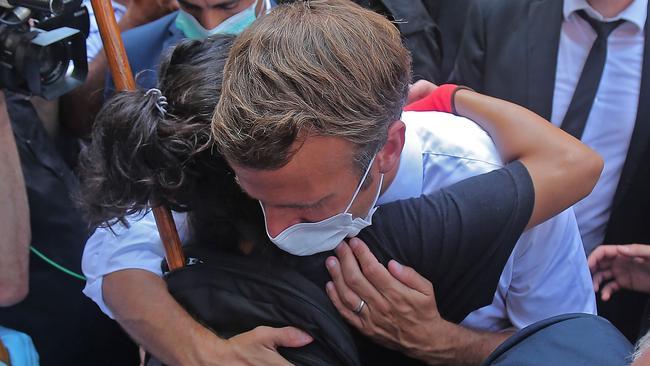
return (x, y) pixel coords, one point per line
(303, 206)
(187, 4)
(225, 3)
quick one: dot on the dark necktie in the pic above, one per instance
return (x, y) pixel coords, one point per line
(583, 97)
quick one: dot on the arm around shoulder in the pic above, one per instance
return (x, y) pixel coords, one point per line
(563, 169)
(143, 306)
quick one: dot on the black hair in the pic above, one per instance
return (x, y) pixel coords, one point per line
(141, 156)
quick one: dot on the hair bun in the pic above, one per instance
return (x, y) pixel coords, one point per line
(160, 101)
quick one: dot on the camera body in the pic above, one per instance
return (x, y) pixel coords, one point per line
(43, 46)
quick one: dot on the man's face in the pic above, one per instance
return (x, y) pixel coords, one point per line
(317, 183)
(211, 13)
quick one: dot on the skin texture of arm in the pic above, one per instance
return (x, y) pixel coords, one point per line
(145, 309)
(563, 169)
(14, 218)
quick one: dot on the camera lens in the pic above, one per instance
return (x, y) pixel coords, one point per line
(53, 6)
(53, 61)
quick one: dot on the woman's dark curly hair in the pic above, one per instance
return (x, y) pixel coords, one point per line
(140, 157)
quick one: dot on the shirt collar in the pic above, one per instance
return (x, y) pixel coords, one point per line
(635, 13)
(408, 180)
(118, 7)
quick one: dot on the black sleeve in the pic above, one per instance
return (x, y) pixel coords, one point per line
(459, 237)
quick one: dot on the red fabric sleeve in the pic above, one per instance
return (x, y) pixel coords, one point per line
(440, 100)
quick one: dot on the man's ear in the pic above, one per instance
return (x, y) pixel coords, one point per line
(389, 155)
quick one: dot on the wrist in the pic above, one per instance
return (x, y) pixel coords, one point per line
(441, 99)
(205, 347)
(453, 344)
(441, 346)
(462, 102)
(462, 90)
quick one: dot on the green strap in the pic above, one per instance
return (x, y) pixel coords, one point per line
(56, 265)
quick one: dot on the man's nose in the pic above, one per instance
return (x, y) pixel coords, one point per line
(279, 220)
(209, 18)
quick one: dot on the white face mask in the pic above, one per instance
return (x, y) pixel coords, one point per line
(233, 25)
(315, 237)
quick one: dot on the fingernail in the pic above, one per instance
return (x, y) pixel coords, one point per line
(329, 285)
(306, 338)
(354, 242)
(330, 262)
(397, 267)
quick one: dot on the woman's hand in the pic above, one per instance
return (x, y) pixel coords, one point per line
(259, 346)
(419, 90)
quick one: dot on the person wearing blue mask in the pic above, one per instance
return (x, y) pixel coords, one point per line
(195, 19)
(148, 34)
(196, 22)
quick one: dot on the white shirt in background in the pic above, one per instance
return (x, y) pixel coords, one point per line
(611, 122)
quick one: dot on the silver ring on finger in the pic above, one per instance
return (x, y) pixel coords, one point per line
(359, 307)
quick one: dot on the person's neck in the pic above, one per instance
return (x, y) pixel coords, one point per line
(609, 8)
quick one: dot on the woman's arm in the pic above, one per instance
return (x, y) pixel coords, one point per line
(143, 306)
(563, 169)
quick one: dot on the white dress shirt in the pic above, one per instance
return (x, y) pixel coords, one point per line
(546, 275)
(611, 120)
(119, 248)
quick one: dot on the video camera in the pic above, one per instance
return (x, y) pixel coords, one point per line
(43, 46)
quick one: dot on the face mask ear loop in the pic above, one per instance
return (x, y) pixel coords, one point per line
(265, 10)
(381, 183)
(257, 14)
(363, 179)
(266, 227)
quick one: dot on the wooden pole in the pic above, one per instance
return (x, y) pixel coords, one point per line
(123, 79)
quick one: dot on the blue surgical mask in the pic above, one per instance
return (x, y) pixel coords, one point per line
(315, 237)
(233, 25)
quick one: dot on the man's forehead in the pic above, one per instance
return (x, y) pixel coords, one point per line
(312, 173)
(324, 154)
(291, 188)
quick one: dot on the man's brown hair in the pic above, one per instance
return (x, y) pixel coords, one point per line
(310, 68)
